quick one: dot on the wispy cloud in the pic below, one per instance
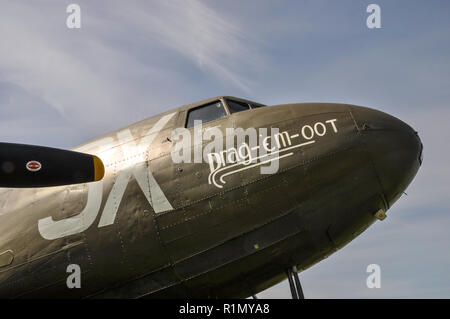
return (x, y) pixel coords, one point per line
(61, 87)
(214, 42)
(119, 60)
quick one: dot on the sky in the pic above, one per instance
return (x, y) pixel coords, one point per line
(131, 60)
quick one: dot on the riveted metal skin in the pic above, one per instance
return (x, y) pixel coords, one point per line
(229, 242)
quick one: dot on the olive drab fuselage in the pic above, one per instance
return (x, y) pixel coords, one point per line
(156, 228)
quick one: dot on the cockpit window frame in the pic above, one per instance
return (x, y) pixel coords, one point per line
(238, 102)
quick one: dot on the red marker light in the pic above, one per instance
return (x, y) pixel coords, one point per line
(34, 166)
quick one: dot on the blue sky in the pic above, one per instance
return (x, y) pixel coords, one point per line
(131, 60)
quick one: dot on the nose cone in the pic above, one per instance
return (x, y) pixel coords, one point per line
(394, 148)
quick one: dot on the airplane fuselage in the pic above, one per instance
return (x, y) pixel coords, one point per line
(154, 227)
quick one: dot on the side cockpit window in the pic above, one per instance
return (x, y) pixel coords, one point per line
(235, 106)
(206, 113)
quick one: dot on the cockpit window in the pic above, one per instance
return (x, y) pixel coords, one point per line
(235, 106)
(206, 113)
(256, 105)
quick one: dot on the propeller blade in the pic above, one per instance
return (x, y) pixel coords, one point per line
(23, 166)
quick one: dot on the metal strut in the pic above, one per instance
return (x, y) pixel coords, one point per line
(296, 288)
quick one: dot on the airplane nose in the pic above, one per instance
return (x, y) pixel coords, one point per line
(394, 148)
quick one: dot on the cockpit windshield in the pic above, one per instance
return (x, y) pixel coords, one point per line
(235, 106)
(216, 110)
(256, 105)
